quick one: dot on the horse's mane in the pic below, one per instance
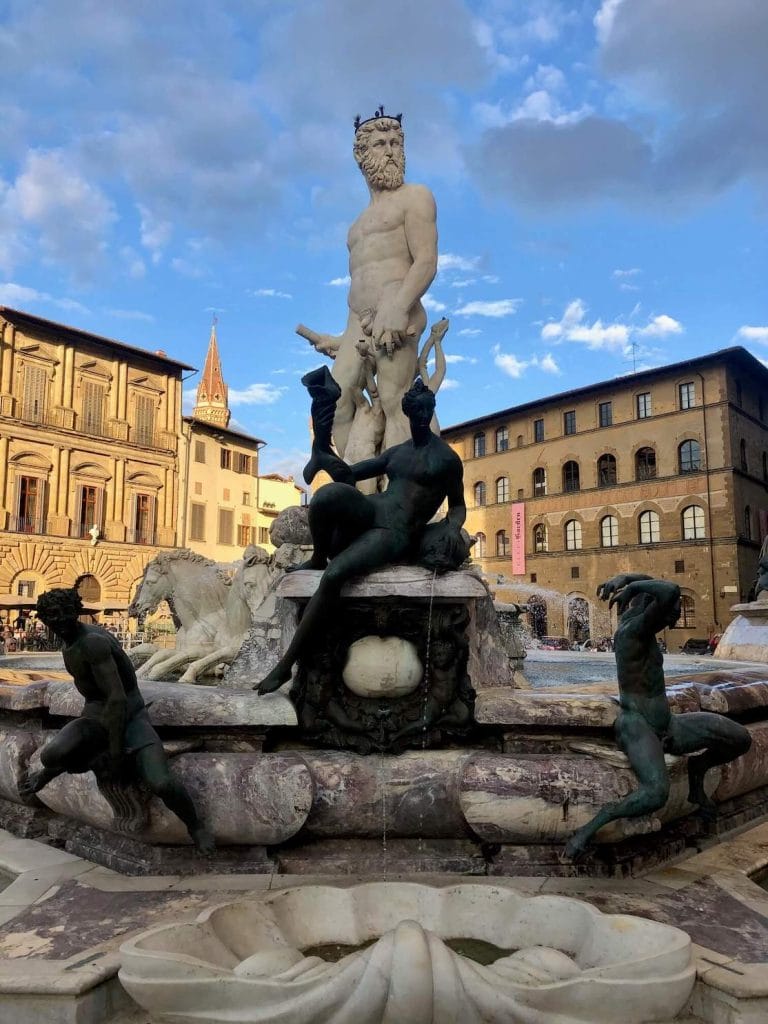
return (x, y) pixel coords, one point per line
(165, 560)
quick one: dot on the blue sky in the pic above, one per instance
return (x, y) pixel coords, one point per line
(600, 169)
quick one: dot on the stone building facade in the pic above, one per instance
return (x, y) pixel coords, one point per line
(226, 504)
(89, 482)
(664, 471)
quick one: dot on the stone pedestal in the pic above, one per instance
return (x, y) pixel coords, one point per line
(746, 638)
(399, 661)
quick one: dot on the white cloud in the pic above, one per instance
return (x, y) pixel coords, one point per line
(546, 76)
(131, 314)
(661, 326)
(470, 332)
(12, 294)
(463, 282)
(514, 367)
(748, 333)
(453, 358)
(499, 308)
(630, 272)
(186, 268)
(155, 233)
(256, 394)
(134, 264)
(548, 364)
(597, 335)
(451, 261)
(272, 293)
(428, 302)
(339, 282)
(449, 384)
(509, 363)
(491, 278)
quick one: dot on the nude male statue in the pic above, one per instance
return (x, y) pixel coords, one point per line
(113, 735)
(392, 261)
(646, 729)
(354, 533)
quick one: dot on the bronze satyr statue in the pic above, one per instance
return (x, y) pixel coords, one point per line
(113, 736)
(646, 730)
(359, 532)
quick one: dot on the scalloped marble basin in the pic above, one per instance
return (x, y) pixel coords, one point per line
(242, 963)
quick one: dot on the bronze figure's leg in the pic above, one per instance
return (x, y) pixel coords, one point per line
(646, 756)
(719, 739)
(152, 769)
(73, 750)
(370, 551)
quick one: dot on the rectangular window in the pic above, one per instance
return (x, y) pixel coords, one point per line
(198, 487)
(200, 451)
(264, 535)
(606, 414)
(93, 408)
(679, 565)
(29, 518)
(225, 494)
(26, 588)
(89, 510)
(569, 422)
(242, 463)
(226, 458)
(246, 498)
(34, 395)
(226, 526)
(644, 405)
(534, 577)
(687, 395)
(538, 430)
(574, 572)
(144, 519)
(243, 535)
(144, 428)
(197, 521)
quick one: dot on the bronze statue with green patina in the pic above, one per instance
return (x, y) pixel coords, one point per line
(646, 729)
(354, 533)
(113, 737)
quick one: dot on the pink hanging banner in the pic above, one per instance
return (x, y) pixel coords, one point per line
(518, 538)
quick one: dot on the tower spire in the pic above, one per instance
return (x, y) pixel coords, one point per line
(212, 405)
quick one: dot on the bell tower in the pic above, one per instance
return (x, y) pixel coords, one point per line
(211, 405)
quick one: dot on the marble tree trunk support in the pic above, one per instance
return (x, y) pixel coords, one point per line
(746, 636)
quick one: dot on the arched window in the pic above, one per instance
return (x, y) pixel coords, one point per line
(539, 482)
(748, 522)
(478, 445)
(479, 547)
(502, 439)
(578, 619)
(572, 535)
(480, 492)
(502, 543)
(540, 538)
(519, 440)
(693, 523)
(537, 610)
(606, 470)
(571, 476)
(609, 532)
(743, 455)
(502, 489)
(687, 618)
(645, 464)
(649, 528)
(689, 457)
(89, 589)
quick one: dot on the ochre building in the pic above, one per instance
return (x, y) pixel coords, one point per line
(663, 472)
(89, 482)
(227, 505)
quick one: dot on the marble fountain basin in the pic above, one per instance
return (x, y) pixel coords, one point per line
(386, 958)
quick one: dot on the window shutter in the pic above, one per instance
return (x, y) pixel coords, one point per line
(93, 407)
(150, 539)
(145, 420)
(33, 399)
(77, 519)
(99, 517)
